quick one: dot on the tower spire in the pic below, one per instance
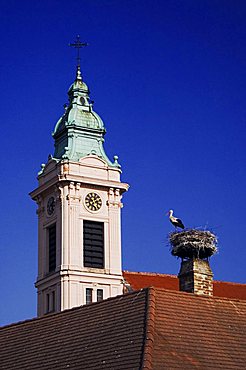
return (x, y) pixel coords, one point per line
(78, 45)
(79, 206)
(80, 131)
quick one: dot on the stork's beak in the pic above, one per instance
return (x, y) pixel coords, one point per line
(167, 214)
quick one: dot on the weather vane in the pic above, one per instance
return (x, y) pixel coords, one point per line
(78, 45)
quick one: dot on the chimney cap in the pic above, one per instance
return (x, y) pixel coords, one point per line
(193, 244)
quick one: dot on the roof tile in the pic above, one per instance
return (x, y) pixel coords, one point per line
(198, 332)
(104, 335)
(148, 329)
(140, 280)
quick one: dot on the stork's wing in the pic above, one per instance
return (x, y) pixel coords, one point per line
(180, 223)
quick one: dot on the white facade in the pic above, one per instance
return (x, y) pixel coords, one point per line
(63, 187)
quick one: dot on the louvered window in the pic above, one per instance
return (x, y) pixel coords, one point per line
(93, 244)
(52, 247)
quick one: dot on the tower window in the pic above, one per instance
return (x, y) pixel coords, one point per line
(93, 244)
(99, 295)
(89, 295)
(52, 247)
(53, 301)
(50, 302)
(47, 303)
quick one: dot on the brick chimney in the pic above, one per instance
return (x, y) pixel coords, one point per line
(194, 247)
(195, 276)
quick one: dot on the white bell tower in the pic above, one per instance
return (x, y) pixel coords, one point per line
(79, 212)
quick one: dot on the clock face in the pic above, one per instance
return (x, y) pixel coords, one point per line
(51, 205)
(93, 201)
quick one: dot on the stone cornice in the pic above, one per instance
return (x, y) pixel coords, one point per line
(73, 271)
(66, 179)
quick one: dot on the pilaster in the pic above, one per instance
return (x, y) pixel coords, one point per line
(115, 205)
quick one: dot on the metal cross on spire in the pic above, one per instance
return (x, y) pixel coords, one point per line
(78, 45)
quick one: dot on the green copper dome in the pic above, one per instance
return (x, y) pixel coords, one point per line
(80, 131)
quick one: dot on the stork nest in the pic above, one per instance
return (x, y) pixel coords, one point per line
(193, 243)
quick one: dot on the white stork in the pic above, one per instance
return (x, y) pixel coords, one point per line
(175, 221)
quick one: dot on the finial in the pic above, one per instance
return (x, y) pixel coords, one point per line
(78, 45)
(42, 169)
(78, 76)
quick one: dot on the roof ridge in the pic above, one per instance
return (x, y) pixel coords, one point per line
(194, 296)
(176, 277)
(148, 345)
(228, 282)
(66, 311)
(149, 273)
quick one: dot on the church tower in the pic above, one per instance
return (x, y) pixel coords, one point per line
(79, 205)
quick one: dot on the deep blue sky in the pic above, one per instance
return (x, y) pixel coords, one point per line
(169, 80)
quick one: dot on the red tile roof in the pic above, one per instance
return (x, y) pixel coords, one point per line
(148, 329)
(229, 290)
(139, 280)
(193, 332)
(104, 335)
